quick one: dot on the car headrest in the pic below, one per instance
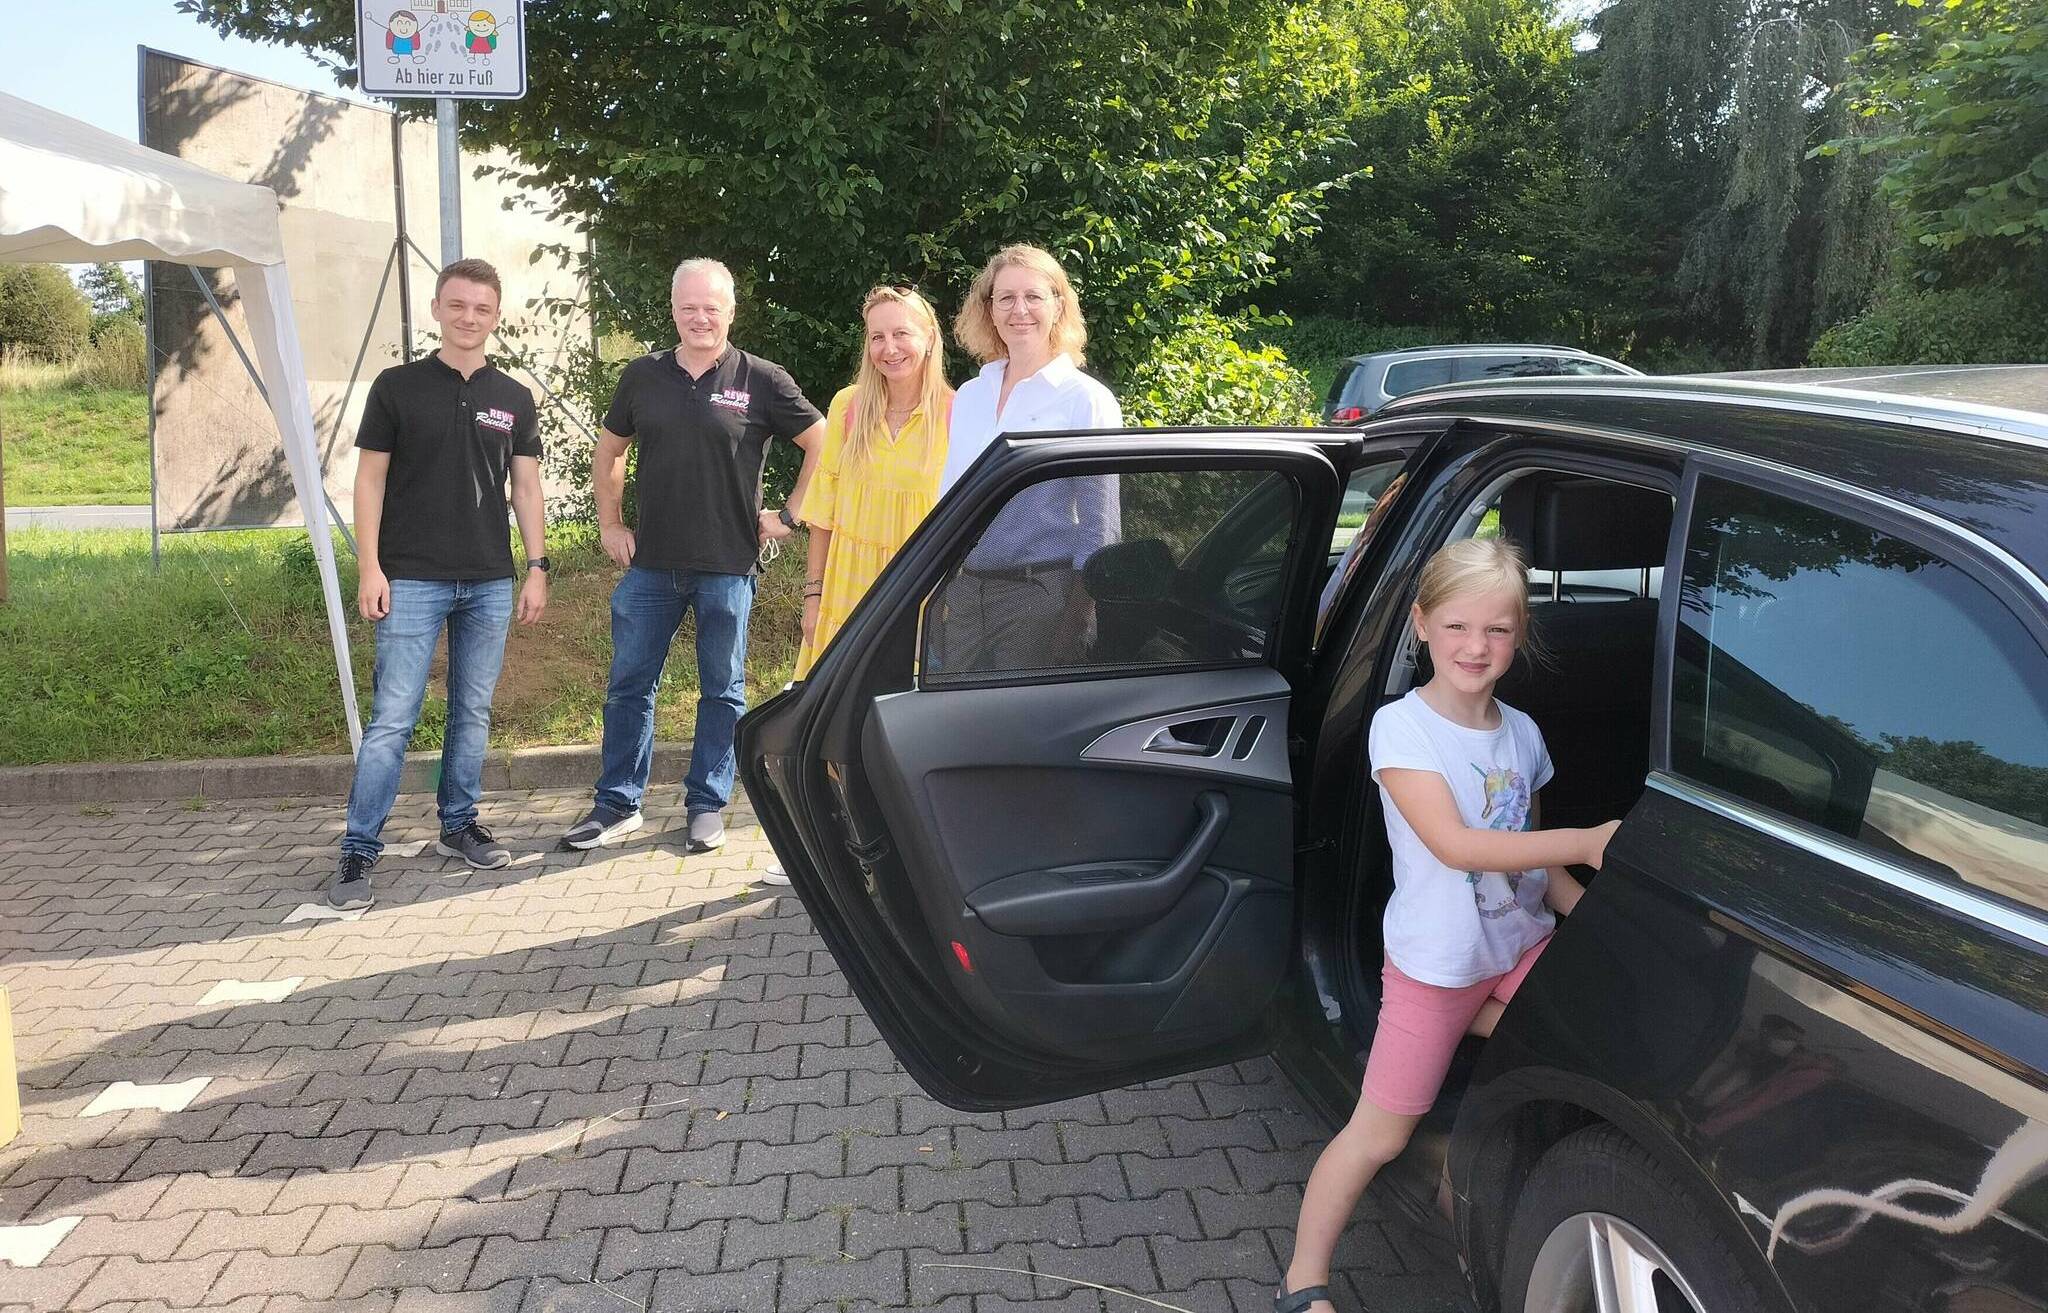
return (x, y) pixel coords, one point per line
(1567, 523)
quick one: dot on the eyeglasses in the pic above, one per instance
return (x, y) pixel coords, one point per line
(1032, 300)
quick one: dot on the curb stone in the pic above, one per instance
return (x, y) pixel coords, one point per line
(563, 766)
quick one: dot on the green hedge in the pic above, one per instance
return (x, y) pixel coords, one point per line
(1203, 374)
(1951, 326)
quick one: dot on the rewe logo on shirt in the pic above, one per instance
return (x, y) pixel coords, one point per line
(493, 418)
(731, 398)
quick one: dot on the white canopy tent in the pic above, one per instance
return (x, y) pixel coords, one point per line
(71, 194)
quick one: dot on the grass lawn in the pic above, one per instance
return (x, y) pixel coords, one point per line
(224, 653)
(74, 446)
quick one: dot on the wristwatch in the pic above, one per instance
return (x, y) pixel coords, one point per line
(788, 521)
(540, 563)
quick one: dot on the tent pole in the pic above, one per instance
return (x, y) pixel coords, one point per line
(3, 524)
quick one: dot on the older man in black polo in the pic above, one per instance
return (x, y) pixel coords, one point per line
(703, 414)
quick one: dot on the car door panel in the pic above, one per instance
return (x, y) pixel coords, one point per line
(1056, 872)
(1050, 881)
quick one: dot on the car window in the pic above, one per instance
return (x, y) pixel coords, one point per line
(1470, 368)
(1370, 489)
(1344, 373)
(1853, 680)
(1575, 365)
(1405, 376)
(1148, 570)
(1362, 493)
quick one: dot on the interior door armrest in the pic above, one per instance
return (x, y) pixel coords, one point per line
(1101, 896)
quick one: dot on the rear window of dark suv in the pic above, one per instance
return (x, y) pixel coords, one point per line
(1837, 723)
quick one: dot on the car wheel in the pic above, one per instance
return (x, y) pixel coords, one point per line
(1602, 1228)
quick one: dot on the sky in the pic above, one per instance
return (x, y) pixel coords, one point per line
(87, 69)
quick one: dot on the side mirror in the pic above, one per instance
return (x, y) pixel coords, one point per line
(1140, 571)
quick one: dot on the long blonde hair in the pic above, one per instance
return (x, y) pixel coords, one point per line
(975, 326)
(867, 414)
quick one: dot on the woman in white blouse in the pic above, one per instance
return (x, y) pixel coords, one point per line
(1023, 322)
(1017, 603)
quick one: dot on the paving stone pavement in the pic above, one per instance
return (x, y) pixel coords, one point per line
(603, 1081)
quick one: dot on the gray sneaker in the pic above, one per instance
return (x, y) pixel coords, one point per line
(474, 844)
(707, 831)
(348, 890)
(602, 826)
(774, 874)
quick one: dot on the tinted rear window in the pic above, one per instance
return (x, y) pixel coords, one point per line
(1837, 674)
(1407, 376)
(1344, 373)
(1479, 367)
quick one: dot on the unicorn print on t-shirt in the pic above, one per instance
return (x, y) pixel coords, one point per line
(1507, 808)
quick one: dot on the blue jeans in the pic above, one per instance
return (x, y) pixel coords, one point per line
(477, 614)
(647, 609)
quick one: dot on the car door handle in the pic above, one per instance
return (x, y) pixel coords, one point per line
(1193, 738)
(1101, 896)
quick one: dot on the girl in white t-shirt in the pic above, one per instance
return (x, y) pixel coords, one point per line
(1476, 885)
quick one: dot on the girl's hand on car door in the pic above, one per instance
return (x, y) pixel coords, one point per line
(1596, 847)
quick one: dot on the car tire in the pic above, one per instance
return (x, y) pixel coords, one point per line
(1596, 1205)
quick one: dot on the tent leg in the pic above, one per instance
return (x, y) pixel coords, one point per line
(3, 524)
(274, 327)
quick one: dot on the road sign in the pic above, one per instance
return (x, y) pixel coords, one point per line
(446, 49)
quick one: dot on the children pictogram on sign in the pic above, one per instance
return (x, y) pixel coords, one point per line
(480, 36)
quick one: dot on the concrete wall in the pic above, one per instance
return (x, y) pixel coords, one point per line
(331, 162)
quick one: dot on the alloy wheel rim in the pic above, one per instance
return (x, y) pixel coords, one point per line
(1599, 1263)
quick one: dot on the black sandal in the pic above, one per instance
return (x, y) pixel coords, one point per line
(1298, 1301)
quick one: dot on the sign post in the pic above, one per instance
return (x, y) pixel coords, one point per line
(450, 153)
(443, 50)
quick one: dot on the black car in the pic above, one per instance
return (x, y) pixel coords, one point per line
(1791, 1050)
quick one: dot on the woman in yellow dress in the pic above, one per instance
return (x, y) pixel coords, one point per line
(885, 447)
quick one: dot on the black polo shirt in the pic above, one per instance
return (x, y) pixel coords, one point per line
(703, 442)
(451, 442)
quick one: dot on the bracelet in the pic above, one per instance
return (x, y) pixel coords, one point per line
(814, 583)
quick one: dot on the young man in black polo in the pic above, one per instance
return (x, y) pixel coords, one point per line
(439, 438)
(703, 414)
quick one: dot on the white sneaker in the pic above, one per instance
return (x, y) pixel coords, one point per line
(774, 874)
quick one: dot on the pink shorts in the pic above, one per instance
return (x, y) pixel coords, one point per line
(1419, 1029)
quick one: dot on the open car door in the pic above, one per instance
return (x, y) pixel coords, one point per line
(1038, 794)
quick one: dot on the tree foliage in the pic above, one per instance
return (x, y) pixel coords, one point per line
(1465, 207)
(1203, 374)
(1165, 151)
(1702, 117)
(1957, 106)
(116, 300)
(42, 315)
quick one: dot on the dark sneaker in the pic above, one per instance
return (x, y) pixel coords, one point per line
(707, 831)
(602, 826)
(474, 844)
(349, 888)
(774, 874)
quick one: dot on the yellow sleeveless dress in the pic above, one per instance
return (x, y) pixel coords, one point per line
(870, 507)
